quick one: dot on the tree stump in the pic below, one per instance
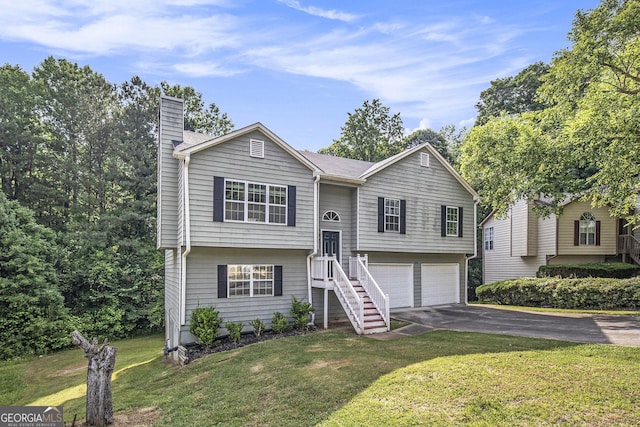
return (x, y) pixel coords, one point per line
(102, 360)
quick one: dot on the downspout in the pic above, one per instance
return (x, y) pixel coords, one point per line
(187, 243)
(316, 206)
(475, 250)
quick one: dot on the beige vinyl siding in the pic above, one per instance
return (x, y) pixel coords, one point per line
(524, 228)
(170, 130)
(339, 199)
(425, 189)
(577, 259)
(231, 160)
(608, 231)
(202, 283)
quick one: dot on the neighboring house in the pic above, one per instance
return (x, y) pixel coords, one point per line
(246, 222)
(515, 246)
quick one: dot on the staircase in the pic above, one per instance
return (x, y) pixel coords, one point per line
(628, 244)
(373, 320)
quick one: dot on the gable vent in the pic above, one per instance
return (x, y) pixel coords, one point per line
(256, 148)
(425, 160)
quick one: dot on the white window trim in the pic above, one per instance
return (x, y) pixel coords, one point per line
(447, 221)
(387, 230)
(256, 148)
(267, 203)
(488, 239)
(331, 216)
(586, 229)
(251, 280)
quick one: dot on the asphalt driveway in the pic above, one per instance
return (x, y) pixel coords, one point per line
(588, 328)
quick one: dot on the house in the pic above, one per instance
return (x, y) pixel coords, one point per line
(246, 222)
(516, 245)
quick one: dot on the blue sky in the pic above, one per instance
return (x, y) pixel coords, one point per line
(299, 66)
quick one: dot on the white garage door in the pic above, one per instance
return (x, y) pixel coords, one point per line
(395, 280)
(440, 284)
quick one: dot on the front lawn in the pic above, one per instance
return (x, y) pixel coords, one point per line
(337, 378)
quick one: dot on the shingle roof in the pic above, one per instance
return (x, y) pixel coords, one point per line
(337, 166)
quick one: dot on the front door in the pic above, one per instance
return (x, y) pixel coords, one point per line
(331, 247)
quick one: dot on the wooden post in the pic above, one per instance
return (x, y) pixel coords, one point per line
(102, 360)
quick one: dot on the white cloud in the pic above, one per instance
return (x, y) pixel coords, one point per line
(322, 13)
(204, 69)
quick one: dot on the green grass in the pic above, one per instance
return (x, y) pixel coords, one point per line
(561, 310)
(339, 379)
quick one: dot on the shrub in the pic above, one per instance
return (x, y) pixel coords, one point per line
(205, 324)
(235, 329)
(616, 270)
(279, 323)
(301, 313)
(584, 293)
(258, 326)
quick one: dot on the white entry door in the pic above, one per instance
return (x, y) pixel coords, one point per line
(440, 283)
(395, 280)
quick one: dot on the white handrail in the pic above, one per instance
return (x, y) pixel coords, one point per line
(379, 298)
(348, 297)
(629, 244)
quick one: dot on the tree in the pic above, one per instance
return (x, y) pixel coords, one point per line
(33, 318)
(369, 134)
(586, 140)
(512, 95)
(197, 118)
(436, 139)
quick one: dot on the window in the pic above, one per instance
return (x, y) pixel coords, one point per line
(250, 280)
(425, 160)
(452, 221)
(253, 202)
(488, 239)
(331, 216)
(256, 148)
(392, 215)
(587, 229)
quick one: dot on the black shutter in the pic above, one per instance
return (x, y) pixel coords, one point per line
(222, 281)
(597, 233)
(443, 221)
(403, 217)
(218, 198)
(460, 221)
(380, 214)
(291, 205)
(576, 233)
(277, 280)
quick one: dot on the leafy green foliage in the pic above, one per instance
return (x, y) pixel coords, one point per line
(586, 139)
(600, 293)
(615, 270)
(205, 324)
(279, 323)
(301, 313)
(33, 318)
(235, 330)
(258, 326)
(370, 133)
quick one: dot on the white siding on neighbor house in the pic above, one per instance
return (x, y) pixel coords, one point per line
(231, 160)
(171, 128)
(425, 189)
(523, 230)
(499, 264)
(340, 200)
(202, 283)
(171, 295)
(608, 232)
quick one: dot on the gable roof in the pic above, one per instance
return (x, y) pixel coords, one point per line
(338, 166)
(194, 142)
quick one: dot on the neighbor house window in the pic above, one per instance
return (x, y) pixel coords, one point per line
(392, 215)
(254, 202)
(587, 229)
(452, 221)
(250, 280)
(488, 239)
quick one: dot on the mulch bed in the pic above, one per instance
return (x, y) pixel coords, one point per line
(196, 351)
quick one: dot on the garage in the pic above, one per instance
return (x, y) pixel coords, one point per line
(440, 283)
(395, 280)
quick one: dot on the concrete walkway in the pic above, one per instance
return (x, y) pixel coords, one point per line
(588, 328)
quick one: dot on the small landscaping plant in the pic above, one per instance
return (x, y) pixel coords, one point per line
(279, 323)
(301, 313)
(205, 325)
(235, 330)
(258, 326)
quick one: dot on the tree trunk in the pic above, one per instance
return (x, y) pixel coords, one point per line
(102, 359)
